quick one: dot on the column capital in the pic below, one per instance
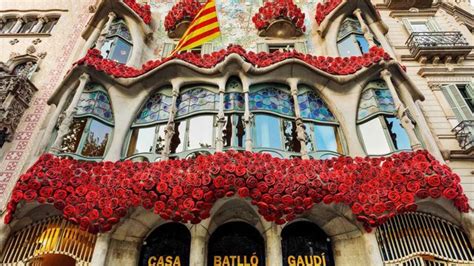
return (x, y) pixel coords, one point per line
(42, 18)
(84, 77)
(385, 74)
(112, 15)
(357, 12)
(20, 18)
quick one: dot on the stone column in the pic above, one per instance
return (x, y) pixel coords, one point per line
(402, 111)
(105, 31)
(382, 39)
(37, 27)
(169, 129)
(92, 38)
(100, 250)
(273, 246)
(248, 117)
(69, 113)
(17, 26)
(220, 120)
(53, 120)
(197, 256)
(300, 127)
(374, 258)
(367, 34)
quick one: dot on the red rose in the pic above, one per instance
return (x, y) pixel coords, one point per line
(161, 187)
(17, 195)
(394, 196)
(407, 197)
(188, 203)
(30, 195)
(379, 208)
(435, 192)
(356, 208)
(107, 212)
(413, 186)
(60, 194)
(422, 193)
(450, 193)
(434, 181)
(251, 182)
(243, 192)
(197, 193)
(218, 182)
(69, 210)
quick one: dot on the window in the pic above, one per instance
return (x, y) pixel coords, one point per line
(233, 131)
(25, 69)
(350, 39)
(8, 25)
(461, 99)
(49, 25)
(421, 25)
(118, 43)
(148, 130)
(299, 46)
(322, 131)
(379, 128)
(27, 26)
(92, 126)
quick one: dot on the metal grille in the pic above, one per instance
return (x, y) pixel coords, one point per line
(52, 235)
(439, 39)
(464, 134)
(412, 235)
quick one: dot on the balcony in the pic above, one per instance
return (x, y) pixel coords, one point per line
(441, 46)
(407, 4)
(464, 133)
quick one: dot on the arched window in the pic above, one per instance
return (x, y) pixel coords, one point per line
(234, 105)
(236, 243)
(274, 124)
(195, 123)
(350, 39)
(169, 244)
(118, 42)
(417, 238)
(25, 69)
(305, 242)
(378, 125)
(92, 127)
(148, 130)
(322, 131)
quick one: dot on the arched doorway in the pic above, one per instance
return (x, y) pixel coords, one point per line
(236, 243)
(304, 243)
(169, 245)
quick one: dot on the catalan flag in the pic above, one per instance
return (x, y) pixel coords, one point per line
(202, 29)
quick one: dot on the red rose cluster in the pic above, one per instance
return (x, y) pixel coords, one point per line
(332, 65)
(183, 10)
(323, 9)
(96, 195)
(142, 10)
(273, 10)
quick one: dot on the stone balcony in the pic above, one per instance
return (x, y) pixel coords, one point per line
(407, 4)
(436, 47)
(464, 133)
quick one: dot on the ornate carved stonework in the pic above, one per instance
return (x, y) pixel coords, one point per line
(16, 93)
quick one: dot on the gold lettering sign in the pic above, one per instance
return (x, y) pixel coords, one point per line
(307, 260)
(164, 261)
(236, 260)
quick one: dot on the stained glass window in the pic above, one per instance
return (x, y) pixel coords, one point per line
(234, 101)
(118, 43)
(156, 109)
(271, 99)
(95, 102)
(314, 108)
(350, 39)
(376, 98)
(198, 99)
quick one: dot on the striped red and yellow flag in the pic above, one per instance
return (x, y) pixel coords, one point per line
(202, 29)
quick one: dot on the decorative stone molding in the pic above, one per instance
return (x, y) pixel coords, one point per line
(279, 19)
(407, 4)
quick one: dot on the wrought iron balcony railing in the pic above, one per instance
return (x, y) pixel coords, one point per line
(465, 134)
(440, 44)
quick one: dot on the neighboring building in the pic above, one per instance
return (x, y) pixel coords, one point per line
(290, 87)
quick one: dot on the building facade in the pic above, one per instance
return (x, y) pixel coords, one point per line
(335, 132)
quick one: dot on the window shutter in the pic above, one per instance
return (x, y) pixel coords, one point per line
(407, 24)
(433, 25)
(167, 49)
(207, 48)
(262, 47)
(470, 91)
(301, 47)
(459, 106)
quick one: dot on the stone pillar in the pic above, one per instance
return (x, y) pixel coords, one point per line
(37, 27)
(367, 34)
(273, 246)
(197, 256)
(300, 127)
(100, 250)
(220, 120)
(105, 31)
(53, 120)
(92, 38)
(169, 129)
(374, 258)
(375, 29)
(401, 111)
(248, 117)
(69, 113)
(17, 26)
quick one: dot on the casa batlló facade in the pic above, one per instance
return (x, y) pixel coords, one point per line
(335, 132)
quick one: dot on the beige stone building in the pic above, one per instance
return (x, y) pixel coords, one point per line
(335, 117)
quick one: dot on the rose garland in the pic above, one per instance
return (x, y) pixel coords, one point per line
(279, 9)
(96, 195)
(142, 11)
(332, 65)
(323, 9)
(183, 10)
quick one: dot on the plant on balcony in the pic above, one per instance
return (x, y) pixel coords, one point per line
(331, 65)
(142, 10)
(180, 16)
(279, 18)
(96, 195)
(323, 9)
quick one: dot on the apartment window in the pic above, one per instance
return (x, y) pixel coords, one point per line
(282, 47)
(461, 99)
(48, 26)
(233, 132)
(380, 129)
(27, 26)
(421, 25)
(8, 25)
